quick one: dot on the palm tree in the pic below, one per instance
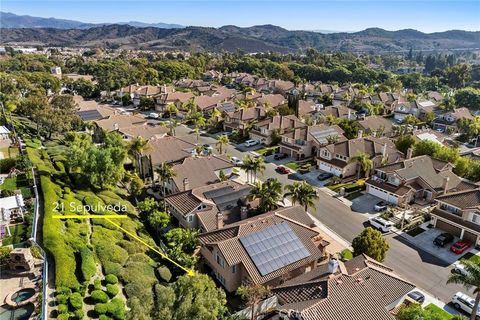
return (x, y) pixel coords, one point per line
(165, 173)
(247, 166)
(269, 193)
(365, 164)
(469, 279)
(258, 165)
(222, 141)
(198, 121)
(303, 193)
(136, 148)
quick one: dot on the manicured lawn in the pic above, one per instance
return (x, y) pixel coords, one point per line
(292, 165)
(9, 184)
(12, 184)
(415, 231)
(18, 232)
(353, 195)
(9, 152)
(264, 150)
(439, 312)
(472, 257)
(336, 187)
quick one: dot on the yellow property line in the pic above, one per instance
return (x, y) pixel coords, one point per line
(163, 255)
(90, 216)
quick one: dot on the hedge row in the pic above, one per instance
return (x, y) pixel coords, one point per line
(89, 267)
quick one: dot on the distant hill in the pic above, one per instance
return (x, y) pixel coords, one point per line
(231, 38)
(11, 20)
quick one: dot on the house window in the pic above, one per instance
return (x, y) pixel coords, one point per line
(219, 260)
(189, 218)
(476, 218)
(234, 268)
(220, 278)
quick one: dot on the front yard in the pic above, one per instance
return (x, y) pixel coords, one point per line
(19, 182)
(18, 234)
(438, 313)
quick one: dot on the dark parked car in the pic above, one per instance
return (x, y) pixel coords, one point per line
(442, 239)
(324, 176)
(282, 170)
(417, 296)
(280, 156)
(381, 206)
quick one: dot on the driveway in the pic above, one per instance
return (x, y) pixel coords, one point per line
(365, 203)
(425, 239)
(271, 159)
(241, 147)
(311, 178)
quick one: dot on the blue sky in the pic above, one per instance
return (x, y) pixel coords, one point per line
(337, 15)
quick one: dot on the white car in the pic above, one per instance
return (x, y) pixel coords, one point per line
(381, 224)
(250, 143)
(458, 267)
(153, 115)
(236, 161)
(461, 301)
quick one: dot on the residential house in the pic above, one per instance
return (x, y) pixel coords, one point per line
(165, 150)
(448, 121)
(435, 96)
(146, 131)
(137, 92)
(304, 141)
(177, 98)
(194, 172)
(459, 214)
(387, 99)
(377, 126)
(118, 122)
(90, 110)
(267, 249)
(418, 109)
(4, 133)
(212, 75)
(11, 208)
(337, 158)
(339, 111)
(418, 180)
(190, 84)
(265, 129)
(361, 289)
(210, 207)
(271, 100)
(242, 118)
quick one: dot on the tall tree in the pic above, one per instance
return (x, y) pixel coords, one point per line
(258, 165)
(253, 294)
(136, 147)
(371, 243)
(470, 279)
(269, 193)
(302, 193)
(364, 163)
(165, 173)
(222, 141)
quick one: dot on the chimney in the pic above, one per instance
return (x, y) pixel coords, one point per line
(409, 153)
(243, 213)
(332, 266)
(384, 150)
(186, 184)
(445, 184)
(349, 113)
(360, 133)
(219, 220)
(115, 126)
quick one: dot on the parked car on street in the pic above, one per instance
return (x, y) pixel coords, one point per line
(236, 161)
(442, 239)
(282, 170)
(153, 115)
(324, 176)
(460, 246)
(461, 301)
(381, 206)
(280, 156)
(381, 224)
(251, 143)
(417, 296)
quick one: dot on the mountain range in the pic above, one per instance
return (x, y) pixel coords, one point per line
(56, 32)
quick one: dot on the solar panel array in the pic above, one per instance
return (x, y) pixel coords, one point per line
(89, 115)
(321, 136)
(274, 248)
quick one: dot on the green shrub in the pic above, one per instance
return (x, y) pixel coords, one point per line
(112, 290)
(62, 308)
(164, 273)
(76, 301)
(97, 284)
(89, 267)
(111, 252)
(112, 267)
(116, 308)
(111, 278)
(101, 308)
(79, 314)
(7, 164)
(346, 255)
(99, 296)
(104, 317)
(61, 299)
(63, 316)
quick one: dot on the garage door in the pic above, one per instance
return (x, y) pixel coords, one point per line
(382, 195)
(327, 168)
(467, 235)
(442, 225)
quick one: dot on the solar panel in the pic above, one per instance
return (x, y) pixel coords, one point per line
(89, 115)
(274, 248)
